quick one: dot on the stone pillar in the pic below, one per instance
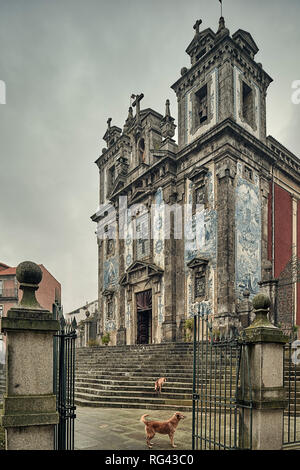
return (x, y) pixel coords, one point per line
(29, 410)
(226, 171)
(265, 345)
(169, 323)
(121, 332)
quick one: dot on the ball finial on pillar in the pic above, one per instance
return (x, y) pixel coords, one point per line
(29, 275)
(261, 302)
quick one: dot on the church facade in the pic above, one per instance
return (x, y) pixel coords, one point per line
(203, 224)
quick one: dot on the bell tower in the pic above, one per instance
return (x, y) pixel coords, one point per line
(224, 81)
(221, 136)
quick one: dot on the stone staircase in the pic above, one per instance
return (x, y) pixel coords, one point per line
(124, 376)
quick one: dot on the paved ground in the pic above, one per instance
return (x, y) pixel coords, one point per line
(121, 429)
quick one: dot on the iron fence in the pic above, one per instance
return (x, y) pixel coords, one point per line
(291, 378)
(221, 389)
(64, 383)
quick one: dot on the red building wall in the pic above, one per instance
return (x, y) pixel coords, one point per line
(270, 222)
(280, 227)
(49, 289)
(283, 229)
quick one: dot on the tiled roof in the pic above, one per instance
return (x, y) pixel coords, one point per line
(8, 271)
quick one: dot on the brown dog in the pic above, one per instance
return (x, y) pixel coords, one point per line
(159, 384)
(162, 427)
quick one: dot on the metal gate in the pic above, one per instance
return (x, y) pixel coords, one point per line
(64, 381)
(221, 389)
(291, 377)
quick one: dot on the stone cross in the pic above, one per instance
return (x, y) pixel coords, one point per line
(197, 26)
(108, 123)
(136, 103)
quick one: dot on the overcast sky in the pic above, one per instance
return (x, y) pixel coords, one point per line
(68, 65)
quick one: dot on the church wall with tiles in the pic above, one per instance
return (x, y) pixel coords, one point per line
(196, 226)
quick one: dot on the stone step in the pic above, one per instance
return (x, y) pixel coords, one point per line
(147, 348)
(150, 380)
(125, 376)
(160, 366)
(136, 395)
(138, 385)
(167, 392)
(134, 399)
(137, 364)
(145, 406)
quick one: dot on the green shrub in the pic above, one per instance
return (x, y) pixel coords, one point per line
(105, 339)
(189, 324)
(188, 327)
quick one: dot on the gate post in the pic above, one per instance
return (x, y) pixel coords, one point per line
(29, 410)
(263, 381)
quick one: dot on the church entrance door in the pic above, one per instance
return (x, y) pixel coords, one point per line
(144, 317)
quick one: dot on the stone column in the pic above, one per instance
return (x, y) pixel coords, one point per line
(121, 332)
(226, 171)
(169, 323)
(265, 345)
(29, 410)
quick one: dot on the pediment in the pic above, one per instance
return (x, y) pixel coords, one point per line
(119, 184)
(197, 262)
(108, 292)
(197, 41)
(197, 173)
(138, 193)
(139, 270)
(247, 38)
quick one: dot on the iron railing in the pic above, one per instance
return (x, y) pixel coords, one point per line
(64, 383)
(221, 390)
(291, 378)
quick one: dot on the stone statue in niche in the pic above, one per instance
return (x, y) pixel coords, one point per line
(110, 247)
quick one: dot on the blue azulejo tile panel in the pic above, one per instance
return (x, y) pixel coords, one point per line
(248, 236)
(110, 272)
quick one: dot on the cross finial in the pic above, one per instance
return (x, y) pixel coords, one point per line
(197, 26)
(108, 122)
(137, 99)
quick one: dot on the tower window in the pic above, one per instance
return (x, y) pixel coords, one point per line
(248, 104)
(201, 106)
